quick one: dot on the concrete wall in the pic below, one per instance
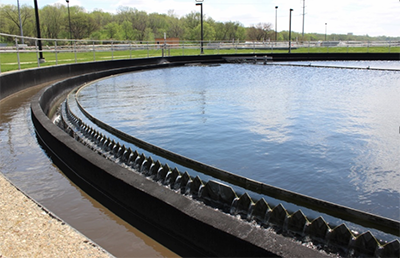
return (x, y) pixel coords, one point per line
(13, 82)
(188, 227)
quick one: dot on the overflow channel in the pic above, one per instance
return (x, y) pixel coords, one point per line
(134, 185)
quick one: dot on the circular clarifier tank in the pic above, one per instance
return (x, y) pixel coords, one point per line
(324, 132)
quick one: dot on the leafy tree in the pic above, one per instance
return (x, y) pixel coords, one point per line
(131, 24)
(98, 35)
(260, 32)
(176, 28)
(148, 35)
(192, 20)
(52, 20)
(82, 25)
(229, 31)
(127, 31)
(102, 18)
(157, 22)
(208, 32)
(241, 33)
(140, 21)
(11, 20)
(3, 23)
(112, 31)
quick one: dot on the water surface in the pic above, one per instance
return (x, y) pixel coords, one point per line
(25, 163)
(328, 133)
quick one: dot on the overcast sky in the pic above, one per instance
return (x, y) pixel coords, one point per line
(360, 17)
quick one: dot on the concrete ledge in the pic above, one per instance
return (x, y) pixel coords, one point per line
(29, 230)
(188, 227)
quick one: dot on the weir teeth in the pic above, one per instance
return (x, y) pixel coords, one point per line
(226, 199)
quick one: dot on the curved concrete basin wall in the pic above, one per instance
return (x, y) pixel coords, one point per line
(186, 226)
(15, 81)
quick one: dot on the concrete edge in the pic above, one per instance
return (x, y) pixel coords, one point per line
(55, 217)
(199, 229)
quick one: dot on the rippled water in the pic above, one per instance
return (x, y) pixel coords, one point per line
(328, 133)
(25, 163)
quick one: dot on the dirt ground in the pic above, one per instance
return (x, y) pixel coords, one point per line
(29, 230)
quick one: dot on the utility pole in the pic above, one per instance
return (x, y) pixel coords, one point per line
(41, 58)
(290, 30)
(276, 24)
(20, 23)
(200, 2)
(304, 14)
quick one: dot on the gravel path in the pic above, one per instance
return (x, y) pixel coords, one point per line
(29, 230)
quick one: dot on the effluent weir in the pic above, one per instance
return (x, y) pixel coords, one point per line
(188, 206)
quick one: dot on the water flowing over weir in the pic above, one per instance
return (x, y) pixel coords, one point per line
(220, 195)
(123, 179)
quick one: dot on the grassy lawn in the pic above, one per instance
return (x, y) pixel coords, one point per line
(9, 61)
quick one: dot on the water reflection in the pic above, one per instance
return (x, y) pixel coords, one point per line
(328, 133)
(24, 162)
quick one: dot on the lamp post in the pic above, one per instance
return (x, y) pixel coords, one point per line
(276, 23)
(41, 58)
(326, 28)
(69, 20)
(304, 15)
(290, 30)
(200, 2)
(20, 23)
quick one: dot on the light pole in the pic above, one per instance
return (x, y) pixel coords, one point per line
(20, 23)
(326, 28)
(276, 24)
(200, 2)
(304, 15)
(41, 58)
(290, 30)
(69, 20)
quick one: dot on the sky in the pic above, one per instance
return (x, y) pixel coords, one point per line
(366, 17)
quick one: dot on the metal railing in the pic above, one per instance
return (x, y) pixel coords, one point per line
(16, 56)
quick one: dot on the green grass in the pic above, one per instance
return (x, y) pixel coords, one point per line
(9, 61)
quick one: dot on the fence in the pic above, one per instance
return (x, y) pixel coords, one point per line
(44, 52)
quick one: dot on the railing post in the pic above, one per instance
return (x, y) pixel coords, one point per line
(236, 47)
(16, 45)
(94, 52)
(148, 50)
(55, 51)
(76, 61)
(112, 51)
(130, 50)
(37, 53)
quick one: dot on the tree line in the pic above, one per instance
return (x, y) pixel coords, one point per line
(131, 24)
